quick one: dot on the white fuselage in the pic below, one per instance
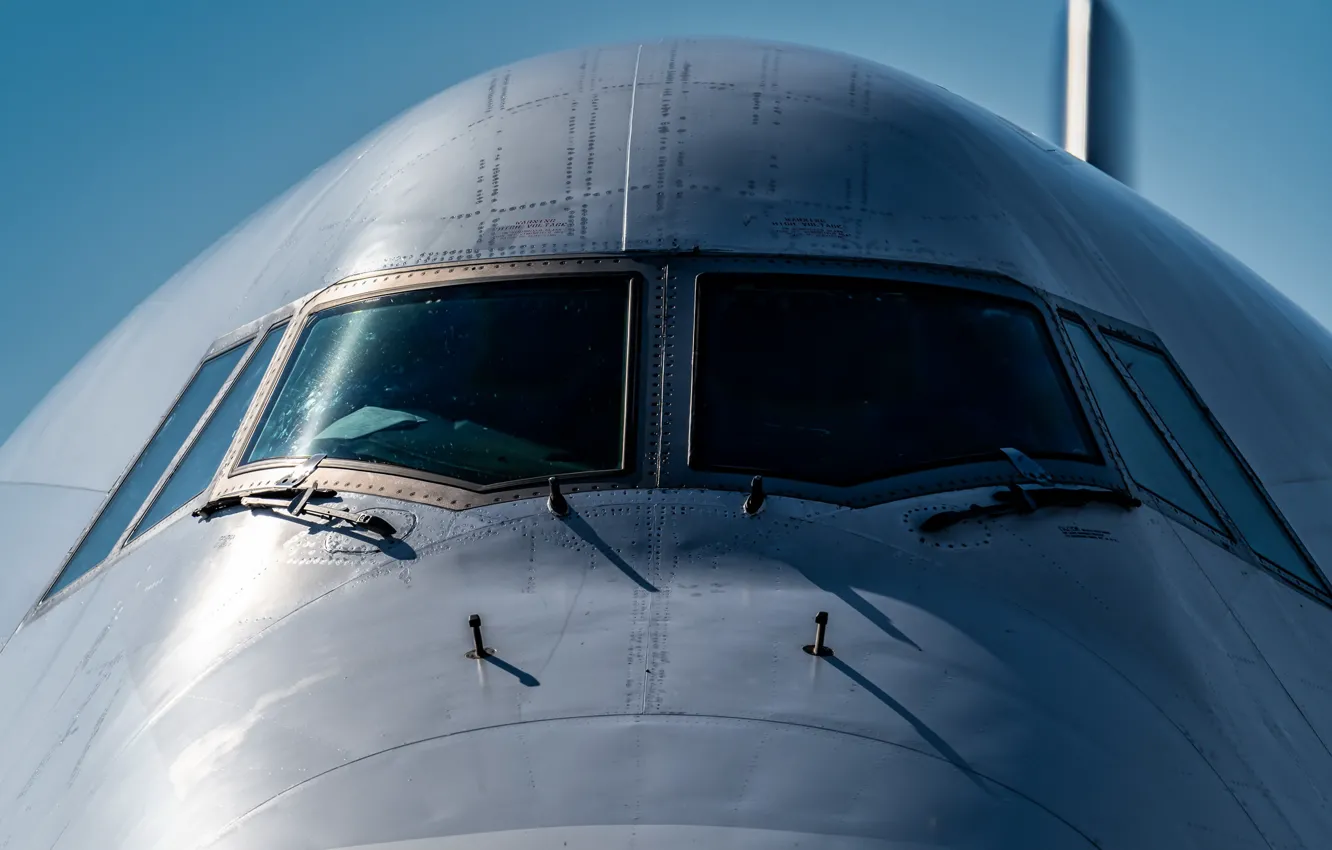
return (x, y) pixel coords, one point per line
(1077, 676)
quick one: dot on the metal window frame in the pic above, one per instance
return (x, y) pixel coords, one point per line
(1099, 324)
(128, 541)
(662, 337)
(1225, 536)
(405, 483)
(685, 274)
(246, 336)
(656, 451)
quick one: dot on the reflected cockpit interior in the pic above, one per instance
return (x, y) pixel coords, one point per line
(481, 384)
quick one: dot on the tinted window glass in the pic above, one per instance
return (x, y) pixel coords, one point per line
(841, 381)
(139, 482)
(1234, 490)
(484, 383)
(1146, 453)
(201, 460)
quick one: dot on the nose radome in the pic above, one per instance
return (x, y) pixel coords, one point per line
(651, 782)
(645, 665)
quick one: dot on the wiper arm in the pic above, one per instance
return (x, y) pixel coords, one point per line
(300, 505)
(1040, 493)
(286, 493)
(1025, 500)
(288, 488)
(295, 501)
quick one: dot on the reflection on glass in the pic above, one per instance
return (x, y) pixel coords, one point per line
(483, 383)
(200, 462)
(1146, 453)
(1189, 425)
(841, 381)
(139, 482)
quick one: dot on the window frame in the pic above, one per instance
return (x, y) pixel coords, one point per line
(246, 336)
(1099, 324)
(1098, 473)
(128, 541)
(1225, 536)
(421, 486)
(661, 340)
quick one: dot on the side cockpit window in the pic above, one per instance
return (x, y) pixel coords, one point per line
(1175, 451)
(139, 481)
(842, 381)
(479, 384)
(1217, 464)
(201, 461)
(1144, 451)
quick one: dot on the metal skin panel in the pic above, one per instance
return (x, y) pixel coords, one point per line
(649, 837)
(1276, 645)
(280, 694)
(40, 520)
(1305, 506)
(1075, 678)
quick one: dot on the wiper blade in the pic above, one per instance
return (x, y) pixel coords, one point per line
(1025, 500)
(297, 476)
(289, 487)
(1027, 468)
(288, 493)
(301, 506)
(1035, 490)
(296, 503)
(1065, 497)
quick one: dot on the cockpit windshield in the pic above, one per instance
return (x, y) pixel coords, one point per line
(843, 381)
(483, 383)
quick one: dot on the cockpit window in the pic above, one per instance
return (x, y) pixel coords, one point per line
(201, 460)
(1236, 492)
(156, 456)
(843, 381)
(1145, 452)
(481, 383)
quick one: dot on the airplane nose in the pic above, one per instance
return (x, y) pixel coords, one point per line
(643, 681)
(651, 782)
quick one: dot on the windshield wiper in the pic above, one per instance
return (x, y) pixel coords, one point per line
(1026, 500)
(288, 488)
(1039, 492)
(295, 501)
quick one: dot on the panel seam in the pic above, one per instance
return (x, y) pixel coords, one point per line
(231, 827)
(1239, 623)
(55, 486)
(628, 152)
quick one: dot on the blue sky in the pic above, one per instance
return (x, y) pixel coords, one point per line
(136, 134)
